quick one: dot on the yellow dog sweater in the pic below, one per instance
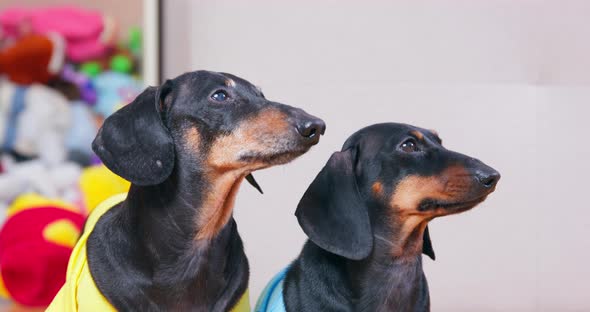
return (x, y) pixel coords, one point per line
(79, 293)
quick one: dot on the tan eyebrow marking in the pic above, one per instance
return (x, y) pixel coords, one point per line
(418, 134)
(230, 82)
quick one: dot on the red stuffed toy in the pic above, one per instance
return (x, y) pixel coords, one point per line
(33, 58)
(35, 245)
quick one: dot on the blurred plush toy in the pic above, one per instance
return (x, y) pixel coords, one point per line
(114, 91)
(135, 41)
(57, 181)
(35, 244)
(89, 34)
(34, 121)
(33, 59)
(82, 81)
(82, 188)
(128, 54)
(124, 58)
(121, 63)
(98, 183)
(91, 69)
(81, 134)
(80, 91)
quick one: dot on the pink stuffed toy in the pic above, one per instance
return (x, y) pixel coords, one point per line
(88, 34)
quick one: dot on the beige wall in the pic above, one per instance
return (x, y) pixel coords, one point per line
(504, 81)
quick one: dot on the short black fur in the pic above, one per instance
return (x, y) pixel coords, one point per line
(145, 254)
(355, 258)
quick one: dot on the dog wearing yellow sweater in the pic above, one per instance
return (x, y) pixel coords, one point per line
(171, 243)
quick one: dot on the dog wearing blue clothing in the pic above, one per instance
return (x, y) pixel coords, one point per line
(366, 215)
(271, 298)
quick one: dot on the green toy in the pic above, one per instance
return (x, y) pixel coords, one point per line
(121, 63)
(135, 39)
(91, 69)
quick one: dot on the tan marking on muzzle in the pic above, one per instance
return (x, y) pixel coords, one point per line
(451, 185)
(255, 135)
(226, 171)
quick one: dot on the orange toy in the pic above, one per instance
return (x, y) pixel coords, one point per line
(33, 59)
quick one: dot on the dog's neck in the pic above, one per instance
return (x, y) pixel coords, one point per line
(404, 236)
(392, 278)
(389, 279)
(186, 228)
(193, 207)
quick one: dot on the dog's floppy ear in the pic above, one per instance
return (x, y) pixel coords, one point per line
(332, 212)
(134, 142)
(427, 244)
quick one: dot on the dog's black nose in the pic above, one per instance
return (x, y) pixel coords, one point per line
(311, 128)
(488, 178)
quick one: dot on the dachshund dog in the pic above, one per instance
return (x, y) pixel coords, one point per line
(172, 244)
(366, 215)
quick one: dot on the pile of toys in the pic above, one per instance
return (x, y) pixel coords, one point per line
(63, 70)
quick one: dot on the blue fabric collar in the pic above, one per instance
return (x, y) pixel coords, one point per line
(271, 299)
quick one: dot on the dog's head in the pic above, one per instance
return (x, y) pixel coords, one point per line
(392, 176)
(215, 121)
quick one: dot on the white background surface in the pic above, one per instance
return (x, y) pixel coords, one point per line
(504, 81)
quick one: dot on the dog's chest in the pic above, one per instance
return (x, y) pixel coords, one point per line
(401, 287)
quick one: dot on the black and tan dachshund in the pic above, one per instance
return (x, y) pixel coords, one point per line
(172, 244)
(366, 215)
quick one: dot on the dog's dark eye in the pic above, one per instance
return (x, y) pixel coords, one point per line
(409, 146)
(220, 96)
